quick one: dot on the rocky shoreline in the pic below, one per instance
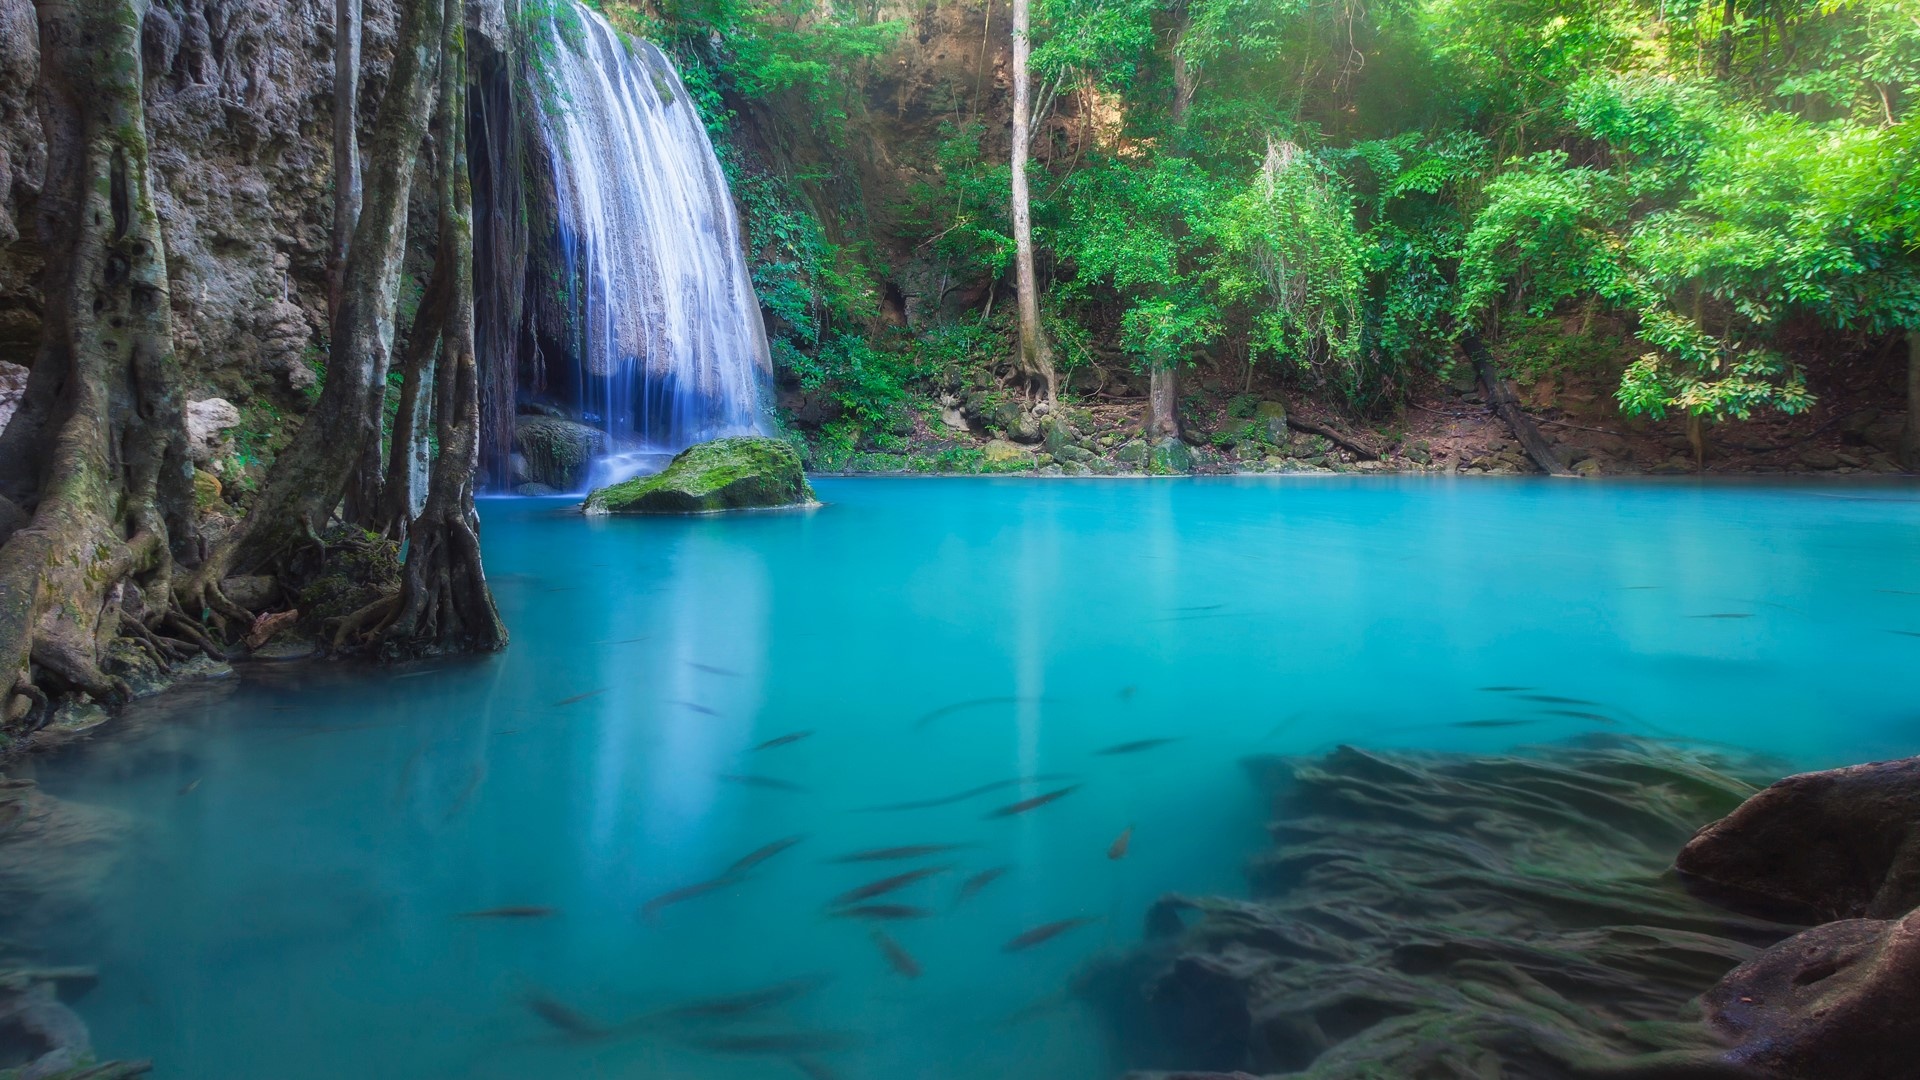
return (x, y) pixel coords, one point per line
(1435, 915)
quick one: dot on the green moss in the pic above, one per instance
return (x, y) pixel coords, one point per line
(726, 474)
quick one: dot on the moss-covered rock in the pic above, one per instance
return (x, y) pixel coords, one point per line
(558, 452)
(725, 474)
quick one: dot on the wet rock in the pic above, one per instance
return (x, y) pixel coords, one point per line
(559, 452)
(1817, 458)
(1839, 844)
(532, 489)
(206, 490)
(1018, 424)
(251, 591)
(1840, 1000)
(725, 474)
(208, 422)
(1132, 453)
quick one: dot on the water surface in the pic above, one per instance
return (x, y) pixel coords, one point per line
(301, 841)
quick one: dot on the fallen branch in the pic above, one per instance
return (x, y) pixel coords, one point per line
(1344, 442)
(1501, 395)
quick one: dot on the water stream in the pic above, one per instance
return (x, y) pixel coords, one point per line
(298, 845)
(669, 345)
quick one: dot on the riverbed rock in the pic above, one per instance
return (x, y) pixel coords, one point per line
(558, 452)
(725, 474)
(1839, 844)
(1170, 456)
(1840, 1000)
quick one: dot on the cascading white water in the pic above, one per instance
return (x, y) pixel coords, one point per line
(669, 342)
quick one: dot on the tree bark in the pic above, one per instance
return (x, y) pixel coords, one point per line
(408, 461)
(1910, 437)
(113, 494)
(1036, 356)
(308, 479)
(445, 605)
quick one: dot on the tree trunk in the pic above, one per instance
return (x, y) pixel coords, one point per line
(113, 495)
(1036, 357)
(445, 605)
(1163, 395)
(1723, 60)
(1910, 438)
(1501, 395)
(1163, 404)
(309, 478)
(403, 495)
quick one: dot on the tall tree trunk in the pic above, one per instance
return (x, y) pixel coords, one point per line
(445, 605)
(1036, 357)
(113, 497)
(408, 459)
(1723, 58)
(1910, 438)
(1163, 393)
(309, 478)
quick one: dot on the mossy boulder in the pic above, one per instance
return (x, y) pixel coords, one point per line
(558, 452)
(725, 474)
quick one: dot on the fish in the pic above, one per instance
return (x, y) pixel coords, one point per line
(1902, 633)
(191, 784)
(1554, 699)
(652, 908)
(885, 885)
(711, 670)
(514, 911)
(897, 956)
(697, 707)
(760, 854)
(970, 793)
(1034, 803)
(814, 1070)
(1505, 689)
(770, 783)
(1202, 607)
(752, 1001)
(781, 1043)
(569, 1020)
(979, 881)
(580, 697)
(1631, 588)
(1725, 615)
(1119, 849)
(888, 912)
(1598, 718)
(622, 641)
(1491, 723)
(1048, 932)
(890, 854)
(1136, 746)
(971, 703)
(784, 740)
(1127, 692)
(420, 674)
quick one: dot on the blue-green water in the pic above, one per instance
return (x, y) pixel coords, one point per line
(299, 842)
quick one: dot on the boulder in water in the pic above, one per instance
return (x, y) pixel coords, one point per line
(1838, 1000)
(1839, 844)
(558, 452)
(725, 474)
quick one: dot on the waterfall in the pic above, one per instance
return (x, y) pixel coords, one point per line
(665, 339)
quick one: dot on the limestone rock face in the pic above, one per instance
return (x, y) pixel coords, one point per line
(1840, 844)
(13, 386)
(1838, 1000)
(725, 474)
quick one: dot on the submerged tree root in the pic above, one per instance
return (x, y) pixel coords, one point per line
(1450, 916)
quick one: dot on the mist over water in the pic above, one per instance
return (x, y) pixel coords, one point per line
(300, 841)
(671, 349)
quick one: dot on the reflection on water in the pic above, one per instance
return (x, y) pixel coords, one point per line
(339, 872)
